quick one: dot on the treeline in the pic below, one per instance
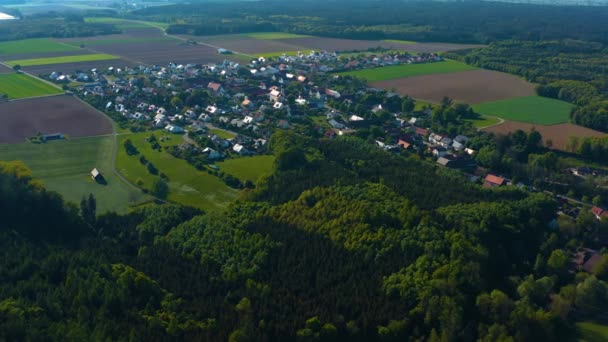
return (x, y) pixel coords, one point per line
(475, 21)
(594, 149)
(355, 254)
(52, 27)
(572, 71)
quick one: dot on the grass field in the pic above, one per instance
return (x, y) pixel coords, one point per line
(484, 121)
(408, 42)
(62, 59)
(280, 53)
(65, 166)
(33, 46)
(409, 70)
(95, 42)
(248, 168)
(530, 109)
(187, 185)
(222, 134)
(19, 86)
(273, 35)
(591, 332)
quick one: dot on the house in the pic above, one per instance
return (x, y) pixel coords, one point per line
(599, 213)
(240, 149)
(332, 93)
(216, 87)
(421, 131)
(493, 181)
(457, 146)
(96, 175)
(211, 109)
(174, 129)
(211, 153)
(439, 151)
(404, 144)
(300, 101)
(277, 105)
(274, 95)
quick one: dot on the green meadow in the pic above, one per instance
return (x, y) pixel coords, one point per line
(408, 70)
(64, 166)
(41, 45)
(592, 332)
(530, 109)
(62, 59)
(248, 168)
(18, 86)
(187, 185)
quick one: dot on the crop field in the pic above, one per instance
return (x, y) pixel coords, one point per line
(467, 86)
(80, 66)
(247, 45)
(19, 86)
(62, 59)
(280, 53)
(163, 52)
(558, 134)
(273, 35)
(408, 70)
(41, 45)
(530, 109)
(187, 185)
(336, 44)
(592, 332)
(55, 114)
(248, 168)
(118, 40)
(65, 165)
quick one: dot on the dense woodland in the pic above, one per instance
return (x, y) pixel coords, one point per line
(568, 70)
(342, 241)
(462, 22)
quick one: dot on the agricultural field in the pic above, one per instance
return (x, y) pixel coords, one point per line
(54, 114)
(62, 59)
(19, 86)
(336, 44)
(280, 53)
(273, 35)
(33, 46)
(484, 121)
(530, 109)
(187, 185)
(248, 168)
(65, 165)
(408, 70)
(80, 66)
(558, 134)
(467, 86)
(118, 40)
(592, 332)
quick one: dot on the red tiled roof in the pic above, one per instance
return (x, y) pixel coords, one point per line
(214, 86)
(405, 144)
(597, 211)
(492, 179)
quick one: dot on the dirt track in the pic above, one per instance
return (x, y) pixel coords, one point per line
(55, 114)
(468, 86)
(558, 134)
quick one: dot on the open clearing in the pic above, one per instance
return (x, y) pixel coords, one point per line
(33, 46)
(187, 185)
(558, 134)
(64, 166)
(248, 168)
(18, 86)
(54, 114)
(62, 59)
(531, 109)
(468, 86)
(592, 332)
(408, 70)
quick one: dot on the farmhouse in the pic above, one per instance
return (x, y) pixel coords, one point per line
(96, 175)
(493, 181)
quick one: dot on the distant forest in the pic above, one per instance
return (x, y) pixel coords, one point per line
(458, 22)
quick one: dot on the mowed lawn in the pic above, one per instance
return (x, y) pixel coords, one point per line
(62, 59)
(248, 168)
(19, 86)
(408, 70)
(25, 46)
(222, 134)
(187, 185)
(64, 166)
(530, 109)
(273, 35)
(592, 332)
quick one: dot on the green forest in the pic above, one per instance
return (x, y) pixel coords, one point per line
(569, 70)
(342, 241)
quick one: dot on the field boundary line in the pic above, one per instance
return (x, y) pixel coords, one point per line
(500, 122)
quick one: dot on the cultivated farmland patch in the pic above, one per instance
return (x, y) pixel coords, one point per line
(468, 86)
(80, 66)
(18, 86)
(558, 134)
(408, 70)
(532, 109)
(55, 114)
(163, 52)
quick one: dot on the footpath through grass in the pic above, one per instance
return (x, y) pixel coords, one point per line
(530, 109)
(248, 168)
(64, 166)
(483, 121)
(409, 70)
(592, 332)
(19, 86)
(41, 45)
(62, 59)
(187, 185)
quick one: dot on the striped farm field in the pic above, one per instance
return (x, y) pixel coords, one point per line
(62, 60)
(408, 70)
(26, 46)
